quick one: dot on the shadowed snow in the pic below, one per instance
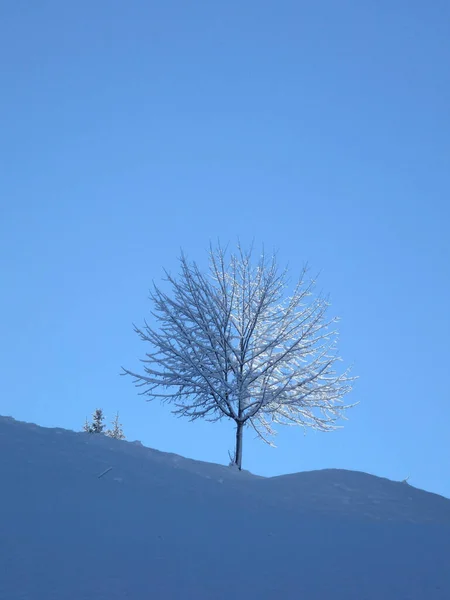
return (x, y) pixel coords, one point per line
(159, 526)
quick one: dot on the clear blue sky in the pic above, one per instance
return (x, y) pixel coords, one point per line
(131, 129)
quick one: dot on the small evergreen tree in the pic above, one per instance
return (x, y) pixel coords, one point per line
(116, 431)
(97, 421)
(97, 425)
(87, 427)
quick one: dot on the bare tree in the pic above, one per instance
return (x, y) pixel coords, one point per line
(230, 343)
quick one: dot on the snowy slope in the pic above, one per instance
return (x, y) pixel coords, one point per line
(160, 526)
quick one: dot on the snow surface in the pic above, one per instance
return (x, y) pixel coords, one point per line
(158, 526)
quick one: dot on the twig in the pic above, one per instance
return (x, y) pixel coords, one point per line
(104, 472)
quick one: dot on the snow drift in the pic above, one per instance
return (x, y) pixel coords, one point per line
(87, 517)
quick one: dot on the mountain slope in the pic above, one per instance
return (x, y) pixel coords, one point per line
(160, 526)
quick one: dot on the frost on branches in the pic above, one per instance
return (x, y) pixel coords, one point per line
(230, 343)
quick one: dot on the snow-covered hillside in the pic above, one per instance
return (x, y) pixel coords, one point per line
(158, 526)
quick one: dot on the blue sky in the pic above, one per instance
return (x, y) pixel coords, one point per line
(133, 129)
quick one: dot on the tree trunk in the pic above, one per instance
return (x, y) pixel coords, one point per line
(238, 450)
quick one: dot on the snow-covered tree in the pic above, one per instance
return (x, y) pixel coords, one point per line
(116, 431)
(230, 343)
